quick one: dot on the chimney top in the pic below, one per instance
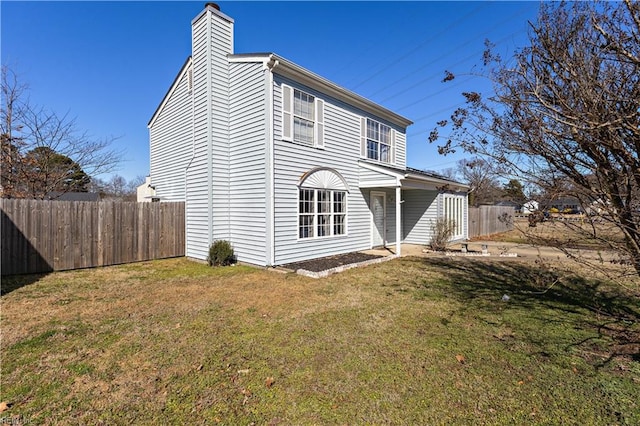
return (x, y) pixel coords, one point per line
(213, 5)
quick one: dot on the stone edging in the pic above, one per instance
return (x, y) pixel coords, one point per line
(341, 268)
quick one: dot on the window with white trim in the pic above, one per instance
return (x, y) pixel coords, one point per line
(322, 213)
(454, 212)
(302, 117)
(377, 141)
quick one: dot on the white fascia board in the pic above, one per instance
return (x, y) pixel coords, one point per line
(250, 57)
(378, 184)
(306, 77)
(172, 89)
(382, 170)
(414, 184)
(286, 68)
(457, 186)
(412, 180)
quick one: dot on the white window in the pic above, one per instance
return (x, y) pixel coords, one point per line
(307, 213)
(302, 117)
(322, 213)
(454, 212)
(377, 141)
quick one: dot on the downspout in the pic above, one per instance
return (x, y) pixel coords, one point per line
(270, 166)
(193, 156)
(228, 149)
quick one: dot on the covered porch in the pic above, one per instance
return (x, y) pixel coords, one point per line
(404, 204)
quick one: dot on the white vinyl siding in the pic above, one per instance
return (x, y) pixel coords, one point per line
(419, 215)
(247, 162)
(221, 42)
(341, 152)
(197, 175)
(170, 143)
(207, 199)
(400, 148)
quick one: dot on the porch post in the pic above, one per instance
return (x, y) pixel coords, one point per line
(398, 221)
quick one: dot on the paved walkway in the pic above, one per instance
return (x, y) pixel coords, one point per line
(497, 250)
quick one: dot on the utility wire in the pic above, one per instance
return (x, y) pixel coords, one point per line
(430, 77)
(421, 45)
(460, 46)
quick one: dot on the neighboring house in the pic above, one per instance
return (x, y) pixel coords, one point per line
(72, 196)
(565, 204)
(515, 206)
(283, 163)
(146, 192)
(530, 207)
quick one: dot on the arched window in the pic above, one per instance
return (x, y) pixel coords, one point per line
(322, 204)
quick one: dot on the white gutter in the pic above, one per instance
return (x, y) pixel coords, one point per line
(186, 169)
(453, 185)
(301, 75)
(270, 165)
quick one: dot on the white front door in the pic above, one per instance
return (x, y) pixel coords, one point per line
(378, 211)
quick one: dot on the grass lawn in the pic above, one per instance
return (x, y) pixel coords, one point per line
(411, 341)
(574, 233)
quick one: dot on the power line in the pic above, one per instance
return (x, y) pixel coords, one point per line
(429, 40)
(441, 111)
(396, 94)
(460, 46)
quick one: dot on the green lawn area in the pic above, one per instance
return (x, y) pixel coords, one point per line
(411, 341)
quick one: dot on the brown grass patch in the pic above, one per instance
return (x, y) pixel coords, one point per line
(176, 342)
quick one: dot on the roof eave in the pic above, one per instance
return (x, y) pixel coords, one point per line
(286, 68)
(434, 180)
(172, 88)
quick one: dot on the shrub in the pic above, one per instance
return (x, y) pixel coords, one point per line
(221, 254)
(442, 233)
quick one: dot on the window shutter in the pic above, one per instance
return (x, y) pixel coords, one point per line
(363, 137)
(319, 142)
(392, 136)
(287, 112)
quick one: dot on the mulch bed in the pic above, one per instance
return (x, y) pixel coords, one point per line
(324, 263)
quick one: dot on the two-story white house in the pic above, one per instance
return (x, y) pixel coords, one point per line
(283, 163)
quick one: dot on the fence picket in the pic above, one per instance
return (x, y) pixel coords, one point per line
(485, 220)
(42, 236)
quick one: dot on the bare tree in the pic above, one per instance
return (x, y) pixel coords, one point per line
(565, 114)
(117, 188)
(481, 176)
(42, 151)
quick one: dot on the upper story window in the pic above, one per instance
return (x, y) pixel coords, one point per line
(377, 141)
(302, 117)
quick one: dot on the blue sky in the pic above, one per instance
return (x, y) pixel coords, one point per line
(110, 63)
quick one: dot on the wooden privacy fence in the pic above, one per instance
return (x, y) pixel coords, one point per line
(487, 220)
(43, 236)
